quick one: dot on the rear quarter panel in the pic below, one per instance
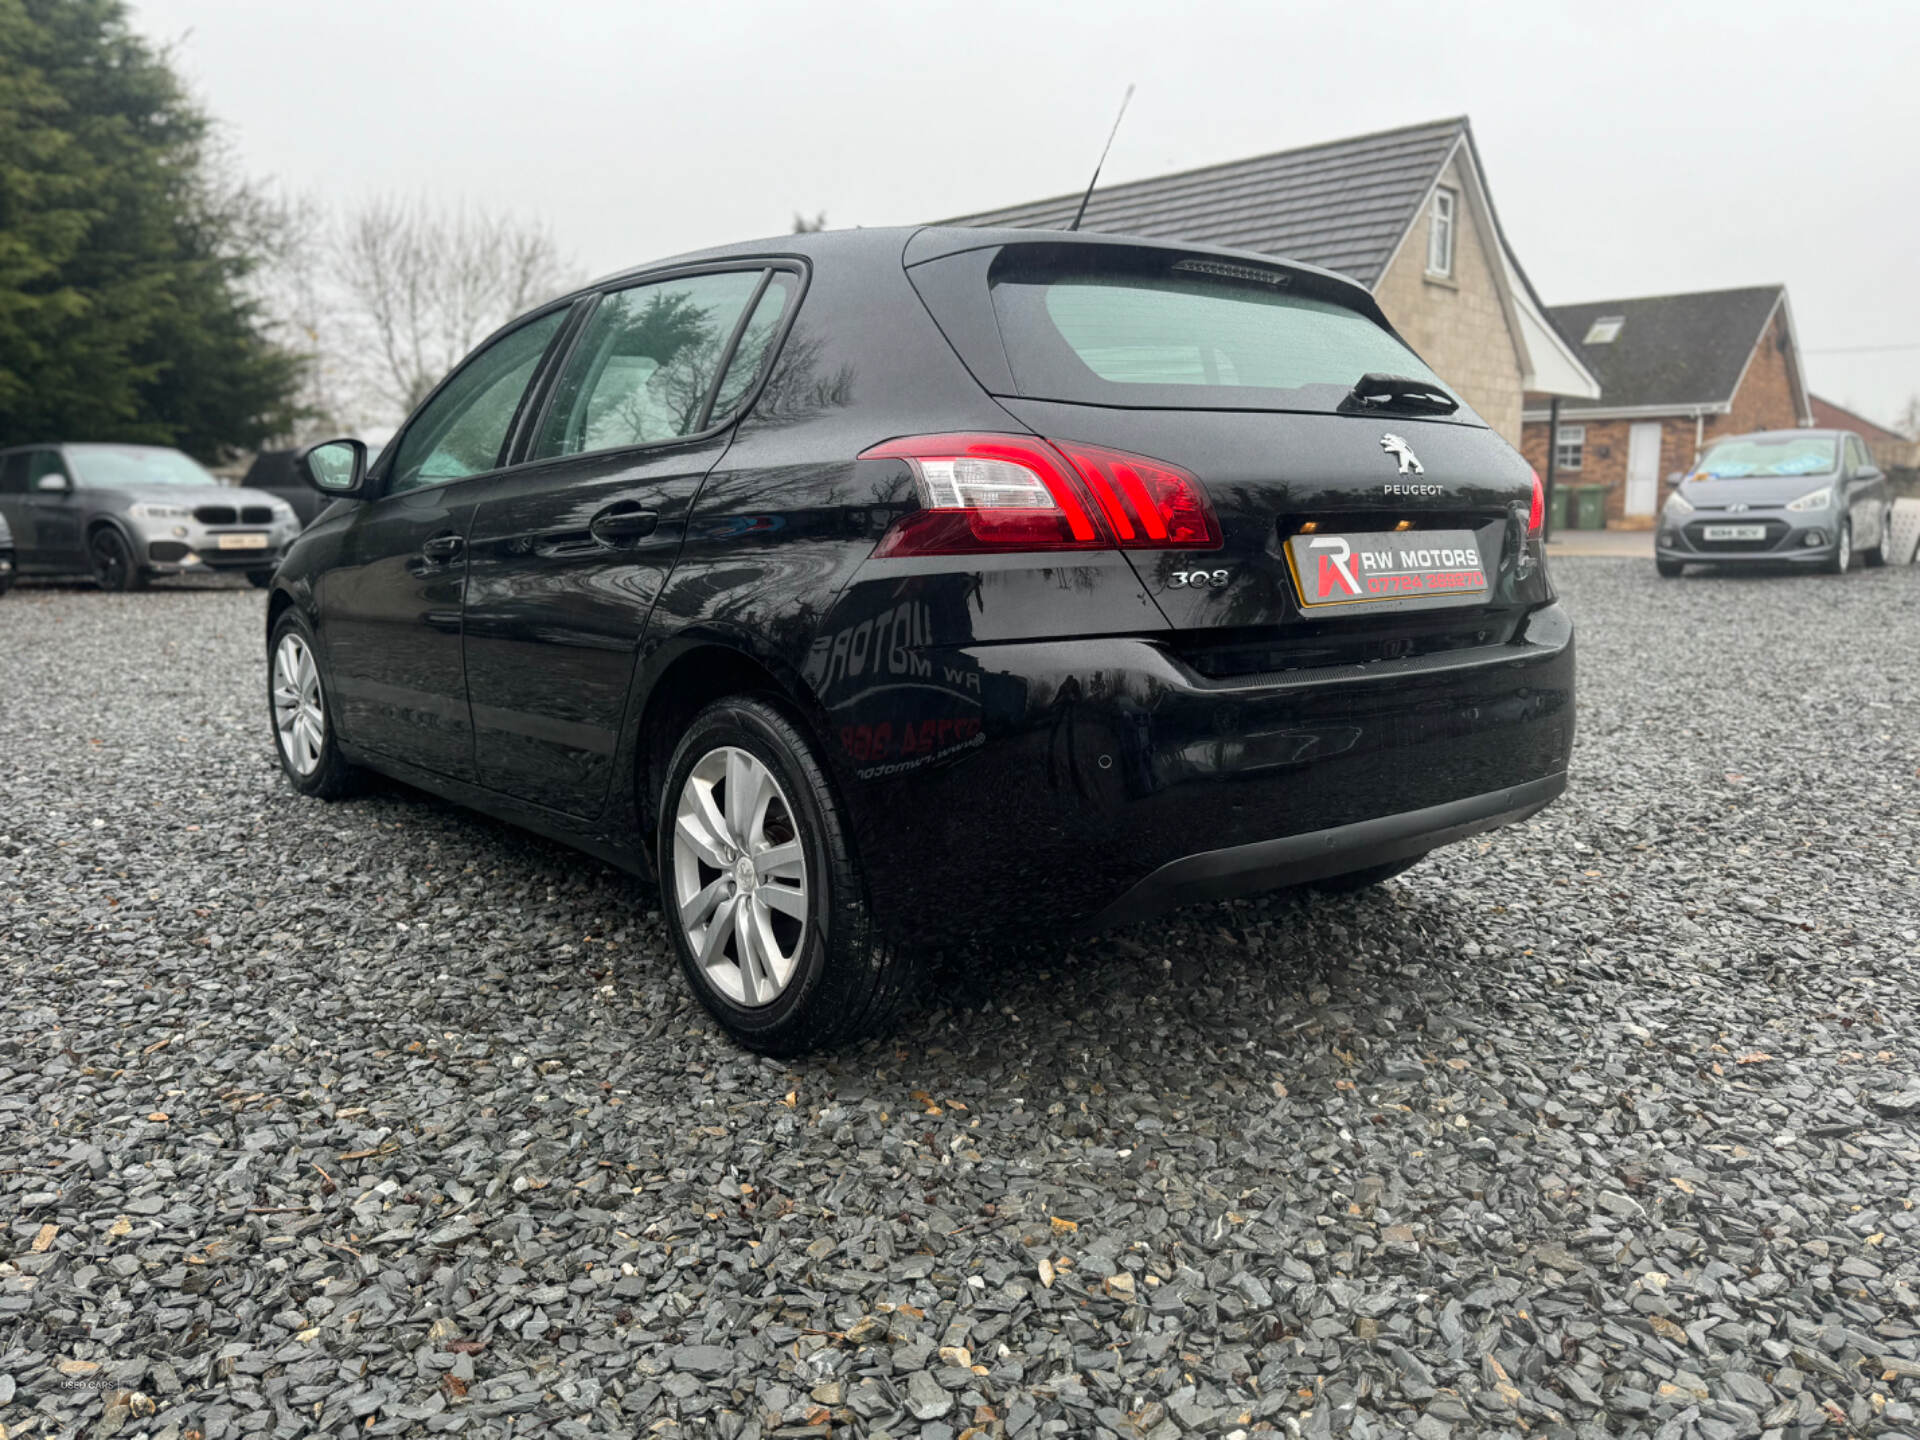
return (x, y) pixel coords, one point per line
(777, 559)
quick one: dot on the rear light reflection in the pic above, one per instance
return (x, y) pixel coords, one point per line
(986, 493)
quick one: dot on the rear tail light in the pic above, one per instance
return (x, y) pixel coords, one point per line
(1149, 504)
(986, 493)
(1537, 512)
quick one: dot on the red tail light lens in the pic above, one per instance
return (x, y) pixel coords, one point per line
(1537, 513)
(1149, 504)
(986, 493)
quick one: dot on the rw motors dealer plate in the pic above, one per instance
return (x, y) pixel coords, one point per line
(1435, 565)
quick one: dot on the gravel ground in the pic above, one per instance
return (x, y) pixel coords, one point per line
(380, 1118)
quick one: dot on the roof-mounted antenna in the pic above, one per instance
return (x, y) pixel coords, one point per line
(1081, 213)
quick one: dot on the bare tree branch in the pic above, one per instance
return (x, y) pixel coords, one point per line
(424, 287)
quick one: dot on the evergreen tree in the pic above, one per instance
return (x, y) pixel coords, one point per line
(124, 312)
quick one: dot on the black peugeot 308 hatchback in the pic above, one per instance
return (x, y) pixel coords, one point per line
(879, 588)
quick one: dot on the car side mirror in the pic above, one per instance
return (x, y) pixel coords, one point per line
(336, 468)
(55, 483)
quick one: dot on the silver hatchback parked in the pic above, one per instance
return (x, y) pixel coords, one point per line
(124, 514)
(1810, 498)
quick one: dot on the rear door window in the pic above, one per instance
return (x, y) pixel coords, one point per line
(756, 344)
(1092, 325)
(42, 463)
(646, 364)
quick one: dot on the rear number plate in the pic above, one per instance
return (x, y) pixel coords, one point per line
(1733, 532)
(243, 542)
(1332, 570)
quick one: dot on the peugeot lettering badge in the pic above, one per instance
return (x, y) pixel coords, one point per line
(1403, 452)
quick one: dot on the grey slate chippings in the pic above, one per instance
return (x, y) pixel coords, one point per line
(383, 1119)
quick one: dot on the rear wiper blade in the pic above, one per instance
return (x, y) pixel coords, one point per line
(1399, 392)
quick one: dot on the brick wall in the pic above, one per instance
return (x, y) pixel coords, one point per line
(1458, 326)
(1764, 401)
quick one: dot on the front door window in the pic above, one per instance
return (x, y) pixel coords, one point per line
(463, 430)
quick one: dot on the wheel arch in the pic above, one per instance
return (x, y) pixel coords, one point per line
(279, 601)
(104, 520)
(698, 672)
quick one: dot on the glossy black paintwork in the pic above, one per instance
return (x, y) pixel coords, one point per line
(554, 614)
(1041, 780)
(1017, 738)
(392, 627)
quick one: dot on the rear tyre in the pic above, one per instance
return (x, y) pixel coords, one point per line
(761, 891)
(6, 580)
(1669, 569)
(260, 579)
(112, 561)
(1841, 560)
(301, 714)
(1360, 879)
(1882, 551)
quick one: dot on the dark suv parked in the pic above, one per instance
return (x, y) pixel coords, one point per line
(878, 589)
(126, 513)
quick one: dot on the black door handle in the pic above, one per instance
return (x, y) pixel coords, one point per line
(622, 527)
(443, 547)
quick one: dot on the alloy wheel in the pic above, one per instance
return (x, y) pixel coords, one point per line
(1843, 549)
(109, 560)
(299, 717)
(740, 876)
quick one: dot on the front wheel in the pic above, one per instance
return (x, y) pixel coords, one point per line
(302, 717)
(1841, 560)
(761, 890)
(1883, 550)
(112, 561)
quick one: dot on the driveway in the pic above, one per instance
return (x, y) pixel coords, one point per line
(379, 1118)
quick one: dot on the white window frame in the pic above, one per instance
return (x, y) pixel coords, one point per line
(1441, 227)
(1569, 448)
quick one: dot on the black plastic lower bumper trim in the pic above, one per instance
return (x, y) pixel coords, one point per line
(1318, 854)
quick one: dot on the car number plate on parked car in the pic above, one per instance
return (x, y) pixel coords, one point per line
(1330, 570)
(243, 542)
(1733, 532)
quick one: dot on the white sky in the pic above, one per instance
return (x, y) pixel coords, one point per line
(1631, 148)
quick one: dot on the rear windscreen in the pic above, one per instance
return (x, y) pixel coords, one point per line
(1091, 327)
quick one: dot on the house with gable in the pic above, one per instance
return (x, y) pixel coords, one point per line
(1676, 373)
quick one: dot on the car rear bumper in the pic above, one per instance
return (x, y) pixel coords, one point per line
(1052, 784)
(1320, 854)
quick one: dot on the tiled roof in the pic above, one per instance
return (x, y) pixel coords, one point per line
(1672, 350)
(1343, 205)
(1829, 416)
